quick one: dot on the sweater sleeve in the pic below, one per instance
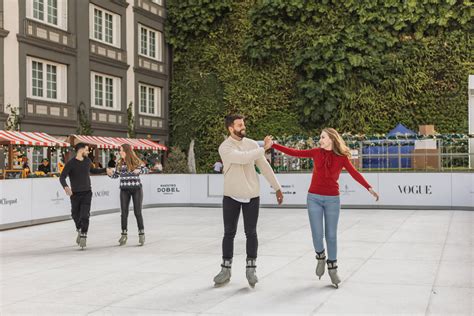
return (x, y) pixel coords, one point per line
(268, 173)
(231, 155)
(96, 170)
(65, 174)
(355, 174)
(307, 153)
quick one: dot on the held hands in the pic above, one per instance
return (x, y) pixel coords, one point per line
(110, 172)
(279, 197)
(375, 194)
(68, 191)
(268, 142)
(136, 171)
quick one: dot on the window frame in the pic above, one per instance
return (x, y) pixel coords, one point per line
(158, 42)
(158, 99)
(116, 91)
(61, 80)
(116, 31)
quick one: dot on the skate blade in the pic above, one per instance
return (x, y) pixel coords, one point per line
(217, 285)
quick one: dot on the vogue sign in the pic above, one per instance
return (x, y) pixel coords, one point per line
(415, 189)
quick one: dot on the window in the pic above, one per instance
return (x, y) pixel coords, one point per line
(150, 43)
(106, 91)
(52, 12)
(150, 100)
(158, 2)
(46, 80)
(104, 26)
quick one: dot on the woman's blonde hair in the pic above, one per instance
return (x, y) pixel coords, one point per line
(131, 159)
(339, 145)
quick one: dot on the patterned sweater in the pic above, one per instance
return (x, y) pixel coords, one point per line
(129, 180)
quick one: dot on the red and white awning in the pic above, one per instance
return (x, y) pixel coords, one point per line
(31, 139)
(99, 141)
(141, 144)
(116, 142)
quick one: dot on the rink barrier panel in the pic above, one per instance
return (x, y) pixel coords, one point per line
(26, 202)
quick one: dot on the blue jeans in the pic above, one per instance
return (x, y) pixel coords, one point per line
(328, 208)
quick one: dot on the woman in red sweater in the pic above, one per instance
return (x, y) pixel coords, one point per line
(323, 196)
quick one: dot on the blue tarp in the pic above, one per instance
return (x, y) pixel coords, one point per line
(400, 129)
(406, 147)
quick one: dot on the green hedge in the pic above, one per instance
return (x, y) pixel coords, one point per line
(295, 66)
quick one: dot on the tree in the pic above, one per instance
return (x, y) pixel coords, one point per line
(176, 162)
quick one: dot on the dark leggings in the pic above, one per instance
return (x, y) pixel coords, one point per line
(231, 210)
(125, 196)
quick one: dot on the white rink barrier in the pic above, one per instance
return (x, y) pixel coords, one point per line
(31, 201)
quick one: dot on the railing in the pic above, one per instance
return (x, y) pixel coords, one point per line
(442, 158)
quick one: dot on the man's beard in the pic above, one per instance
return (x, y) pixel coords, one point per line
(240, 133)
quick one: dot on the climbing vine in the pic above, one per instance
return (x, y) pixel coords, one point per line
(295, 66)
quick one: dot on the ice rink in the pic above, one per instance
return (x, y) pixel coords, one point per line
(390, 261)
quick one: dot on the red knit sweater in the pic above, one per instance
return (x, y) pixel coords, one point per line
(327, 168)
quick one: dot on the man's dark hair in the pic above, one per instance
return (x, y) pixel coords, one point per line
(230, 119)
(79, 146)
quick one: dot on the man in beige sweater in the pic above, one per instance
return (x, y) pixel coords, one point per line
(240, 155)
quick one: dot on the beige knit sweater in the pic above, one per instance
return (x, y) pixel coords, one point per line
(240, 178)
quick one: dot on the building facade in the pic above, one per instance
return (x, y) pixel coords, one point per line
(66, 61)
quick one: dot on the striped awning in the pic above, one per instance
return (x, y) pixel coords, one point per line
(141, 144)
(99, 141)
(116, 142)
(30, 139)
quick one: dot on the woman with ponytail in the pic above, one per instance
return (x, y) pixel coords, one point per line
(323, 196)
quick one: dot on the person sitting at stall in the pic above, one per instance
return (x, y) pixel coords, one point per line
(45, 166)
(158, 167)
(25, 165)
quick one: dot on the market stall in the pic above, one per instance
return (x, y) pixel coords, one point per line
(103, 148)
(18, 148)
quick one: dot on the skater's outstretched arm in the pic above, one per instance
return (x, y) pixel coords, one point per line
(113, 173)
(359, 178)
(355, 174)
(307, 153)
(97, 170)
(231, 155)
